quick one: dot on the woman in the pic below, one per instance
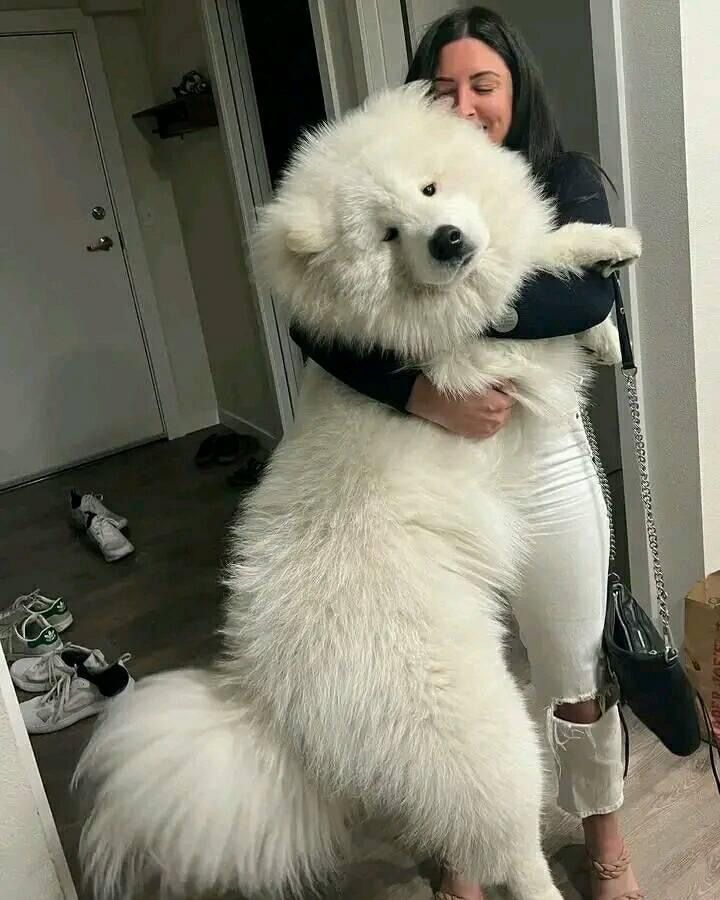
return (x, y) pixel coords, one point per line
(476, 59)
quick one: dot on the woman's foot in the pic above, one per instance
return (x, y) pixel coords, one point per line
(454, 888)
(611, 874)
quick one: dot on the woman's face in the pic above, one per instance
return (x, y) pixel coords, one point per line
(479, 83)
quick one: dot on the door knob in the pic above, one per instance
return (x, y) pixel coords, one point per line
(104, 243)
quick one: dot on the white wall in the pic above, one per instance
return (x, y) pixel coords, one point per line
(32, 864)
(656, 134)
(700, 26)
(197, 169)
(332, 32)
(378, 47)
(123, 54)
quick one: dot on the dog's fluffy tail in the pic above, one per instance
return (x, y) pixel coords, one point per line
(186, 789)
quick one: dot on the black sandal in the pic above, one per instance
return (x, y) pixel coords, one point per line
(224, 448)
(249, 473)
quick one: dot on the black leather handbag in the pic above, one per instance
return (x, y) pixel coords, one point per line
(649, 671)
(642, 658)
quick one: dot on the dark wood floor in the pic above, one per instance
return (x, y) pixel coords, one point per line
(162, 604)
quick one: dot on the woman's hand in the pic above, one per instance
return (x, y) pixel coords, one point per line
(477, 417)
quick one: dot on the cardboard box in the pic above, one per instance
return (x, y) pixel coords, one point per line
(702, 647)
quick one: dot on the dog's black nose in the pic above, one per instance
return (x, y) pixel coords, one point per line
(448, 244)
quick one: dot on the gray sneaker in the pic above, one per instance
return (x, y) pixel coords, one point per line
(55, 611)
(33, 636)
(36, 675)
(82, 504)
(77, 692)
(112, 542)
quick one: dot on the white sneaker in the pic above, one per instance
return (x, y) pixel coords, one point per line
(33, 636)
(111, 541)
(76, 694)
(82, 504)
(35, 676)
(55, 611)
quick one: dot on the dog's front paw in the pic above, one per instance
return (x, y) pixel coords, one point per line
(625, 246)
(603, 342)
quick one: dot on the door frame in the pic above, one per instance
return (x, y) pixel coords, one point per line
(381, 43)
(610, 94)
(82, 30)
(242, 138)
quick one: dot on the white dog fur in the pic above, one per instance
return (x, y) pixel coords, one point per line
(363, 671)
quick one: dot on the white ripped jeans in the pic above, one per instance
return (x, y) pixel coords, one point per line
(561, 611)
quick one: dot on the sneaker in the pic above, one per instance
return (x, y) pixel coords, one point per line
(111, 541)
(82, 504)
(55, 611)
(33, 636)
(77, 693)
(35, 676)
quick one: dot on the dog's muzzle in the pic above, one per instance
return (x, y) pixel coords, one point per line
(450, 246)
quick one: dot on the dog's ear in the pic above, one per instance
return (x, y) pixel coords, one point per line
(308, 229)
(292, 229)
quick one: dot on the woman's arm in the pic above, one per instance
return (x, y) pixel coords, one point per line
(377, 374)
(550, 306)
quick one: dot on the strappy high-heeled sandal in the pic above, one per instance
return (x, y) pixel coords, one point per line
(609, 871)
(440, 894)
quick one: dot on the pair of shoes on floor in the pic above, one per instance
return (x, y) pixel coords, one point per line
(224, 448)
(55, 611)
(75, 683)
(31, 625)
(103, 527)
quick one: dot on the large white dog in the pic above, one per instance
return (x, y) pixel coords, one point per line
(363, 671)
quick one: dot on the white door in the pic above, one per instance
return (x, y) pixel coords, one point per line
(75, 378)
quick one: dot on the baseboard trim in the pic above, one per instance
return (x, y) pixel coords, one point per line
(205, 418)
(238, 423)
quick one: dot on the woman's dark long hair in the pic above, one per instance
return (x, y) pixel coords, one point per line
(534, 130)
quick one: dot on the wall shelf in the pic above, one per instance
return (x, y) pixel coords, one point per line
(182, 115)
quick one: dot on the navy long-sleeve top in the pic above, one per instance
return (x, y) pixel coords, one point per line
(546, 307)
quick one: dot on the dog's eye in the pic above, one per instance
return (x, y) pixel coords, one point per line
(430, 189)
(391, 234)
